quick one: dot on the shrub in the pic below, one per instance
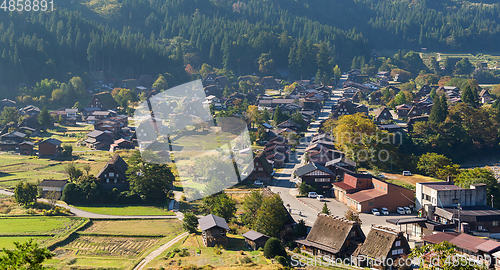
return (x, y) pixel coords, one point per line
(281, 260)
(274, 248)
(245, 260)
(296, 250)
(177, 250)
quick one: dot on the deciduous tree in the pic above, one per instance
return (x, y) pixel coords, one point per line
(25, 193)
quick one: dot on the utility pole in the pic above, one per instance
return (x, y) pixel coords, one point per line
(491, 200)
(459, 223)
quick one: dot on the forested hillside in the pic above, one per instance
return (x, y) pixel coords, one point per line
(127, 38)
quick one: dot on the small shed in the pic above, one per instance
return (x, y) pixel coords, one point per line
(52, 185)
(26, 148)
(255, 240)
(213, 230)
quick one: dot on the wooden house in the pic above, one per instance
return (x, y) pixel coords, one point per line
(382, 114)
(315, 173)
(485, 96)
(270, 83)
(99, 140)
(50, 148)
(56, 186)
(26, 148)
(333, 236)
(213, 230)
(262, 170)
(403, 110)
(113, 174)
(255, 240)
(103, 101)
(382, 243)
(344, 107)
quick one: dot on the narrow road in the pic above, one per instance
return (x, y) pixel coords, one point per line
(283, 183)
(159, 251)
(80, 213)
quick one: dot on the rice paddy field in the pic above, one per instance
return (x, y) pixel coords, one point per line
(114, 244)
(124, 210)
(41, 229)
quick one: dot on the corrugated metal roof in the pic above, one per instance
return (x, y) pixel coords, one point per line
(365, 195)
(210, 221)
(253, 235)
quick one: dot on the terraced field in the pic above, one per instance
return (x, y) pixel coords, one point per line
(111, 246)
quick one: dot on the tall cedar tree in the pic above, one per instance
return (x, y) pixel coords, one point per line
(468, 96)
(44, 118)
(438, 114)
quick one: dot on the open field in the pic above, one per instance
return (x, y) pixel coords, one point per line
(42, 229)
(38, 225)
(114, 244)
(122, 210)
(408, 182)
(135, 227)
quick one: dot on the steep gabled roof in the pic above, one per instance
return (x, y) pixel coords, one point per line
(331, 231)
(210, 221)
(379, 242)
(118, 164)
(106, 100)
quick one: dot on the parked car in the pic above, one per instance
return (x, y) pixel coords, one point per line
(375, 212)
(320, 198)
(407, 210)
(258, 183)
(312, 195)
(401, 211)
(406, 173)
(385, 211)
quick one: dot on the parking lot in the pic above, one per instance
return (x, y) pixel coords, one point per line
(339, 209)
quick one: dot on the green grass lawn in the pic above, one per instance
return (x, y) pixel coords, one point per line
(121, 210)
(37, 225)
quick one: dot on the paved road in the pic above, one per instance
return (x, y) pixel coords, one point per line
(309, 208)
(159, 251)
(80, 213)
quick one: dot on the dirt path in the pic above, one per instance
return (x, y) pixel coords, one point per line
(159, 251)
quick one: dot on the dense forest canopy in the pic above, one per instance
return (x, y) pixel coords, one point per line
(127, 38)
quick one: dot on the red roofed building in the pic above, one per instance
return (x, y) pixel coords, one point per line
(362, 192)
(465, 243)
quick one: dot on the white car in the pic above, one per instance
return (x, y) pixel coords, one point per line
(385, 211)
(375, 212)
(401, 211)
(406, 173)
(258, 183)
(312, 195)
(320, 198)
(407, 209)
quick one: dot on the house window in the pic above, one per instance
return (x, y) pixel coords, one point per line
(495, 223)
(455, 201)
(116, 180)
(353, 234)
(107, 180)
(260, 169)
(319, 180)
(111, 174)
(398, 243)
